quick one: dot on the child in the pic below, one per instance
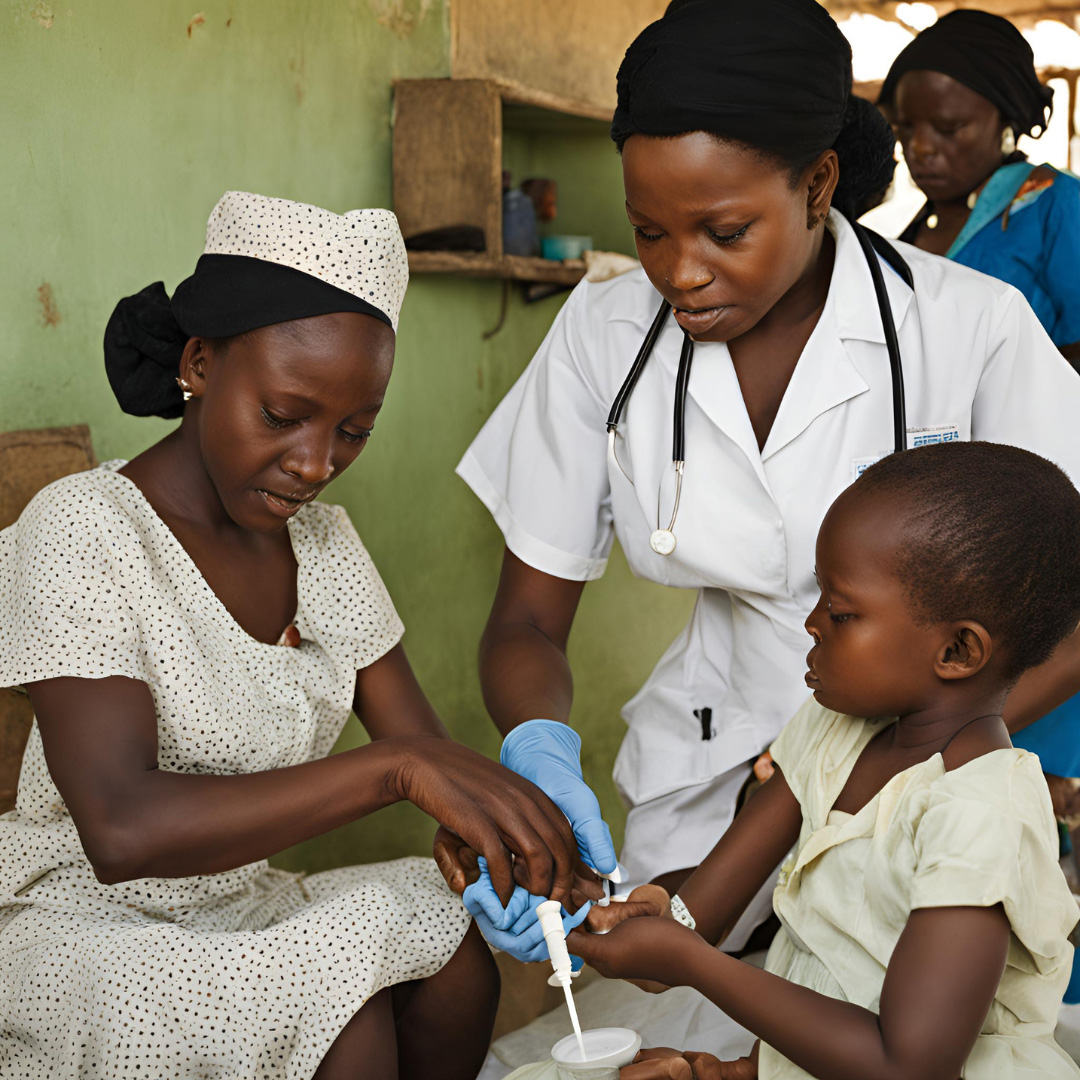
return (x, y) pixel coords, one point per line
(193, 630)
(924, 916)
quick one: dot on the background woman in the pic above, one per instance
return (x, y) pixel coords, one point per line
(729, 118)
(193, 630)
(958, 96)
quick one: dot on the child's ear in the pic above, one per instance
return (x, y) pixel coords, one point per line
(965, 651)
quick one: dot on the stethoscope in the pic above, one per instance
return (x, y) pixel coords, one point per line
(663, 541)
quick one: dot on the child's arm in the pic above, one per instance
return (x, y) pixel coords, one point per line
(764, 831)
(718, 891)
(938, 989)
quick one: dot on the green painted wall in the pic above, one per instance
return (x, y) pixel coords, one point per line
(122, 123)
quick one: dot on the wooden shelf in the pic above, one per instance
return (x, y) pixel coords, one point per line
(514, 267)
(513, 93)
(448, 159)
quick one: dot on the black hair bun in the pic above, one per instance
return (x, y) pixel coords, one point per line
(866, 148)
(143, 347)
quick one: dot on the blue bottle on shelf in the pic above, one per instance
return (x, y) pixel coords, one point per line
(519, 221)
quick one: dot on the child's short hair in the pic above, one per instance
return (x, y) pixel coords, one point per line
(992, 534)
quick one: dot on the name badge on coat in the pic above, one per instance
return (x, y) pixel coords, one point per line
(916, 437)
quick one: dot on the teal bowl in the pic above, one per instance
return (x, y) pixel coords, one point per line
(564, 247)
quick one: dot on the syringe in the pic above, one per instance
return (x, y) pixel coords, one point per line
(550, 915)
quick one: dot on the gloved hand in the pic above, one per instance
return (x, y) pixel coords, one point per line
(549, 754)
(515, 929)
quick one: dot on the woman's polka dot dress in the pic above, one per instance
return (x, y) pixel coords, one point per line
(250, 973)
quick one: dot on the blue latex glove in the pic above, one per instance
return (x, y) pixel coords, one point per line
(549, 754)
(515, 929)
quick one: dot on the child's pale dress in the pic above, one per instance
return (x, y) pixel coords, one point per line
(979, 835)
(250, 973)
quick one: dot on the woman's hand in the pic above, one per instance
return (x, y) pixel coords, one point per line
(663, 1063)
(460, 867)
(493, 811)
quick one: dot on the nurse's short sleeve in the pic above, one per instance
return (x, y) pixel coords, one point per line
(996, 846)
(1028, 394)
(540, 462)
(346, 606)
(67, 571)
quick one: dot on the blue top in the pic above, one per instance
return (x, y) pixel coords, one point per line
(1025, 229)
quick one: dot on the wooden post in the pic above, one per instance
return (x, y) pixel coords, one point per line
(448, 157)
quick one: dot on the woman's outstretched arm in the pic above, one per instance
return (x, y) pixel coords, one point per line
(138, 820)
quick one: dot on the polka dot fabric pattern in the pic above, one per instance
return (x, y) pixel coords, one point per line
(250, 973)
(361, 252)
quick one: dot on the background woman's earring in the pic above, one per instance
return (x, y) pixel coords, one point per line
(1008, 142)
(185, 388)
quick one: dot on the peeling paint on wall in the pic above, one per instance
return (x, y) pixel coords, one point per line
(299, 79)
(43, 14)
(50, 314)
(400, 17)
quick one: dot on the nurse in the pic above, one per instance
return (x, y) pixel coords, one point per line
(769, 380)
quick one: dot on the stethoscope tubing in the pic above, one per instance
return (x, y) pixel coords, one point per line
(686, 357)
(888, 325)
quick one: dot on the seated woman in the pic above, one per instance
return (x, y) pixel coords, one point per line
(193, 630)
(924, 917)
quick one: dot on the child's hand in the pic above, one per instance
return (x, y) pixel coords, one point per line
(457, 862)
(663, 1063)
(585, 886)
(646, 947)
(644, 900)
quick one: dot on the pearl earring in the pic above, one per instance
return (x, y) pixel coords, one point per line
(1008, 142)
(185, 388)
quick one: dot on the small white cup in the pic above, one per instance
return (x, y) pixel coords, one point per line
(610, 1048)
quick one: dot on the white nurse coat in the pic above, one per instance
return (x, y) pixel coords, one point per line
(977, 365)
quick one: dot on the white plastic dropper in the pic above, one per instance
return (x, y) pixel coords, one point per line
(550, 915)
(616, 877)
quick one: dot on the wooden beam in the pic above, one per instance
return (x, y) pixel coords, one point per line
(1023, 12)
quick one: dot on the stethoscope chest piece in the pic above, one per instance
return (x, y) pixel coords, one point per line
(662, 541)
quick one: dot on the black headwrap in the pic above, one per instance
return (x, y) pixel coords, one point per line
(988, 55)
(774, 74)
(227, 295)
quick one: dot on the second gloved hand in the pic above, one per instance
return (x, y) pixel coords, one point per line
(549, 754)
(515, 929)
